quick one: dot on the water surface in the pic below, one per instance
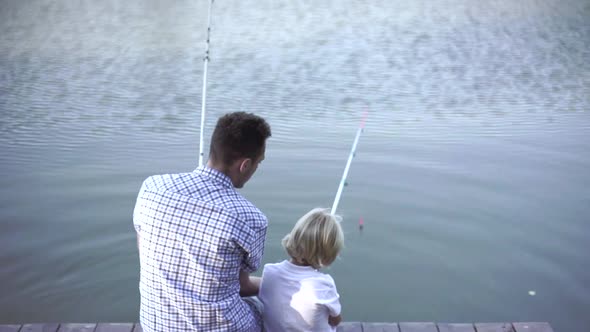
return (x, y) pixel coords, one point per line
(472, 175)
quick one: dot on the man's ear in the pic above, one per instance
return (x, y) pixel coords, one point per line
(245, 165)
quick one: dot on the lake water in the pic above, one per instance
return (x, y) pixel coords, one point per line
(472, 175)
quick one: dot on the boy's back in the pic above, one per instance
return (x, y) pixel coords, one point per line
(297, 298)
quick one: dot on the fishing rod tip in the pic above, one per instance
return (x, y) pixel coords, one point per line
(364, 119)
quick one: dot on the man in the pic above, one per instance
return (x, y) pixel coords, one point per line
(199, 239)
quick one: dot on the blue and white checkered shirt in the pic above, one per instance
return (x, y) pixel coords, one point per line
(197, 232)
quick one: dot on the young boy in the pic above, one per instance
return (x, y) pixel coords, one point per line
(296, 296)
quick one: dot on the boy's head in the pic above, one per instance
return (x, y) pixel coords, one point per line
(316, 239)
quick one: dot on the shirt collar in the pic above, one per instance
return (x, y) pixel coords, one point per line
(215, 175)
(298, 268)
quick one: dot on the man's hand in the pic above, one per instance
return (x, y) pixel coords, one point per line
(249, 286)
(334, 321)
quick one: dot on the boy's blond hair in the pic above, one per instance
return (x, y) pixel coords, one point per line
(316, 239)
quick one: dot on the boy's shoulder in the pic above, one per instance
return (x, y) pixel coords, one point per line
(286, 267)
(326, 278)
(274, 266)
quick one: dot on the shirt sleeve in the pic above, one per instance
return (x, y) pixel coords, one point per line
(253, 258)
(137, 213)
(330, 297)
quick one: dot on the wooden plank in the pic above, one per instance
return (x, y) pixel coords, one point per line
(349, 327)
(343, 327)
(494, 327)
(532, 327)
(114, 327)
(52, 327)
(380, 327)
(71, 327)
(417, 327)
(455, 327)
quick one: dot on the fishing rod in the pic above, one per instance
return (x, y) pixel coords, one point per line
(204, 100)
(350, 156)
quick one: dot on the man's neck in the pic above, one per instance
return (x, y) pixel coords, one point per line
(219, 168)
(222, 169)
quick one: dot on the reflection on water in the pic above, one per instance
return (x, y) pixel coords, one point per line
(471, 176)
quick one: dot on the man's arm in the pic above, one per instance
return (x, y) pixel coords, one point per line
(249, 286)
(138, 241)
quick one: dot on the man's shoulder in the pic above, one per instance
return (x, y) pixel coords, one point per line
(205, 191)
(186, 183)
(156, 180)
(244, 209)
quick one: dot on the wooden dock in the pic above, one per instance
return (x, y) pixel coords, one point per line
(344, 327)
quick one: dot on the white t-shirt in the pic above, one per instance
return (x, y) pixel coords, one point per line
(297, 298)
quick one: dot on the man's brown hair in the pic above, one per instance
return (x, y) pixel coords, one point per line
(238, 135)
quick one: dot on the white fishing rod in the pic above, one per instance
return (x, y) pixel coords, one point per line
(204, 100)
(350, 156)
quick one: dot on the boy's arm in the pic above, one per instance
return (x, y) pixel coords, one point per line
(334, 321)
(332, 301)
(249, 285)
